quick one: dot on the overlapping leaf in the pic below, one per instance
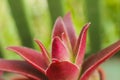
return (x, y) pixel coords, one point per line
(32, 56)
(21, 67)
(93, 62)
(66, 59)
(62, 71)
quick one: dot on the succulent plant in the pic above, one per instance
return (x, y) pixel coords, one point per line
(66, 60)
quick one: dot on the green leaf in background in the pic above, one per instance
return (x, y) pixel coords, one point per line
(93, 15)
(114, 13)
(55, 8)
(18, 13)
(1, 52)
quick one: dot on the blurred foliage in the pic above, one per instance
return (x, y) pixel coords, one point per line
(55, 8)
(93, 15)
(19, 16)
(1, 51)
(114, 13)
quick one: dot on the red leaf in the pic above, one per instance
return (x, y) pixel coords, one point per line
(93, 62)
(60, 31)
(70, 29)
(59, 51)
(21, 67)
(102, 74)
(62, 71)
(44, 51)
(81, 45)
(32, 56)
(59, 28)
(1, 73)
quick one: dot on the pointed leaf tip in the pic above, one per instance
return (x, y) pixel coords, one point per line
(70, 29)
(59, 28)
(21, 67)
(81, 45)
(32, 56)
(44, 51)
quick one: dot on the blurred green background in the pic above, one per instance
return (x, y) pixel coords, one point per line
(22, 21)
